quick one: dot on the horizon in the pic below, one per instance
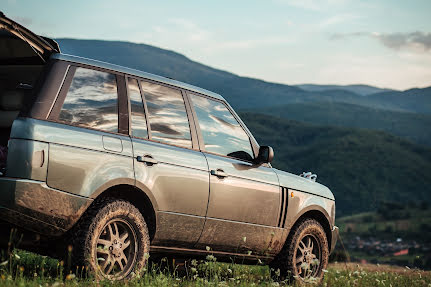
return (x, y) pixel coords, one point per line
(331, 42)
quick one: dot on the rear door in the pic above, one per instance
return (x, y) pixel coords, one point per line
(89, 147)
(167, 161)
(244, 203)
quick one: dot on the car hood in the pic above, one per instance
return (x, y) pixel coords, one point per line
(302, 184)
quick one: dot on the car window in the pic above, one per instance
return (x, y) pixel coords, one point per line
(221, 132)
(167, 114)
(139, 123)
(91, 101)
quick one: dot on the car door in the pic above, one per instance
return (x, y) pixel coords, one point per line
(89, 148)
(244, 201)
(168, 163)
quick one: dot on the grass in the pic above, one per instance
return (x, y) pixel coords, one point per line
(23, 268)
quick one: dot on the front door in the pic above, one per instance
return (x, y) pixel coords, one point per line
(244, 198)
(166, 163)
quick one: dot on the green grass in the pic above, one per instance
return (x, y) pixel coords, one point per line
(28, 269)
(409, 223)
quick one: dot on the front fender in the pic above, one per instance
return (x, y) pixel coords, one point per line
(300, 203)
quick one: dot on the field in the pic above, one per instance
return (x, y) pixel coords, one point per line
(22, 268)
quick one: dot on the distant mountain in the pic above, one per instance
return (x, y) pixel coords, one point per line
(412, 126)
(363, 168)
(363, 90)
(241, 92)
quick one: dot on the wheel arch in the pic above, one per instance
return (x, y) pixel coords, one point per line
(138, 198)
(320, 215)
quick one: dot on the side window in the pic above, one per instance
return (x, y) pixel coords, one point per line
(221, 132)
(167, 115)
(91, 101)
(139, 123)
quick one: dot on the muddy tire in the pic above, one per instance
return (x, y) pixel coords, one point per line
(111, 239)
(304, 255)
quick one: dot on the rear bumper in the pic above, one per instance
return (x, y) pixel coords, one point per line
(334, 237)
(34, 206)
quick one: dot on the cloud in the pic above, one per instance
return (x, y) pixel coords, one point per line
(414, 41)
(398, 41)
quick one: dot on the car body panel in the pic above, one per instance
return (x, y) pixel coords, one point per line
(303, 184)
(179, 182)
(37, 207)
(238, 206)
(27, 159)
(79, 153)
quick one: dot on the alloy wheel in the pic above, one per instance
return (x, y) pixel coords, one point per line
(116, 249)
(308, 256)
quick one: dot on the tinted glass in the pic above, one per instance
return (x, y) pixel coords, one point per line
(167, 115)
(91, 101)
(221, 132)
(139, 124)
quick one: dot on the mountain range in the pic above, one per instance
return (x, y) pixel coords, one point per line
(368, 144)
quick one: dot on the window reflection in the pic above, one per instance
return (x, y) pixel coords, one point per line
(91, 101)
(221, 132)
(167, 115)
(139, 124)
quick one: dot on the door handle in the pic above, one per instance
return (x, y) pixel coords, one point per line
(148, 159)
(219, 173)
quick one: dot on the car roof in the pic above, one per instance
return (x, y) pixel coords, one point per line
(137, 73)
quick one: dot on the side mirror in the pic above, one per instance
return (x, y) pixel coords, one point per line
(266, 154)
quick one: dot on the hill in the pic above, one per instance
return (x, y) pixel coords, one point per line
(412, 126)
(363, 90)
(241, 92)
(363, 168)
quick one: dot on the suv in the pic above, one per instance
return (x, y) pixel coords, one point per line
(120, 164)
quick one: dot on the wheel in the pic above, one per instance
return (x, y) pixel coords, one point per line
(305, 253)
(112, 240)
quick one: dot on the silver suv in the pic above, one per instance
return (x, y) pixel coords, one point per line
(120, 164)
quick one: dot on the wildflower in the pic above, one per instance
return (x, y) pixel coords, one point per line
(324, 270)
(4, 263)
(211, 258)
(70, 276)
(17, 256)
(208, 248)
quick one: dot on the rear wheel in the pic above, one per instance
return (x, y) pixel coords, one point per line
(305, 254)
(112, 240)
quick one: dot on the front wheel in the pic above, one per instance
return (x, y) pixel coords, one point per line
(305, 254)
(112, 240)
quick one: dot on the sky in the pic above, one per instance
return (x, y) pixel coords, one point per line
(384, 43)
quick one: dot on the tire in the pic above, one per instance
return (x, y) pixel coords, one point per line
(304, 255)
(111, 239)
